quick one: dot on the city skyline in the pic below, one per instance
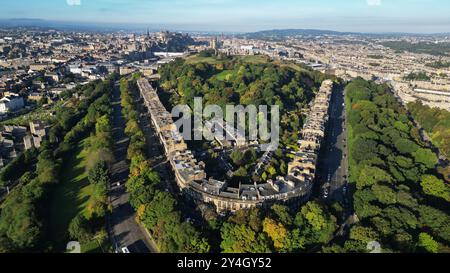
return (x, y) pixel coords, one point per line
(413, 16)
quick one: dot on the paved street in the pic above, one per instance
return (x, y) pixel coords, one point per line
(123, 228)
(333, 169)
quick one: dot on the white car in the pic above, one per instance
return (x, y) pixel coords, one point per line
(125, 250)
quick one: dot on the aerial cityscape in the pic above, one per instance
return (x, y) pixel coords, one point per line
(207, 126)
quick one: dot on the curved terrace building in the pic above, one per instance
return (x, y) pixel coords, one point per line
(191, 176)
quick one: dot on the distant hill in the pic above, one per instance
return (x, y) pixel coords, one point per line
(23, 22)
(70, 26)
(283, 33)
(277, 34)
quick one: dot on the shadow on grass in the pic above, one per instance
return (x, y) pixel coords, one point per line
(70, 196)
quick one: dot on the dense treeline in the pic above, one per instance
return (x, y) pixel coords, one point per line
(436, 122)
(244, 163)
(132, 130)
(277, 229)
(233, 81)
(23, 218)
(157, 209)
(399, 198)
(85, 227)
(419, 76)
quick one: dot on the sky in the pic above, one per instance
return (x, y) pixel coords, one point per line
(416, 16)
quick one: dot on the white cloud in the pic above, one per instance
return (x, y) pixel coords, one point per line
(73, 2)
(374, 2)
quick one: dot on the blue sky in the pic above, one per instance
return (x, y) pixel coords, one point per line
(245, 15)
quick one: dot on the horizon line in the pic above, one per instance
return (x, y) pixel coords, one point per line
(174, 27)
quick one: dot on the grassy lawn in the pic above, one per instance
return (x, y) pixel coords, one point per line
(71, 195)
(252, 59)
(225, 75)
(255, 59)
(294, 66)
(95, 247)
(197, 59)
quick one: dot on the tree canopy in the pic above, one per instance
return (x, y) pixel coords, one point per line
(394, 173)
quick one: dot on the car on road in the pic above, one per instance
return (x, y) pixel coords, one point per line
(325, 193)
(125, 250)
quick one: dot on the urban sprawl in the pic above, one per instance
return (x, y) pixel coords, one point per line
(37, 67)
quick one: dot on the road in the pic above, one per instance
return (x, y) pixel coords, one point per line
(123, 228)
(333, 166)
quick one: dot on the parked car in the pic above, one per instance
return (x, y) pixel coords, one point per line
(325, 193)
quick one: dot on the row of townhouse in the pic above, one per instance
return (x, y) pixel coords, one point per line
(303, 167)
(185, 166)
(191, 177)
